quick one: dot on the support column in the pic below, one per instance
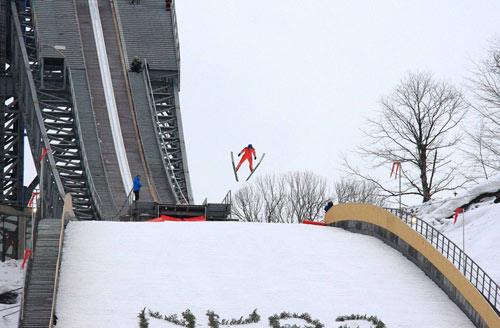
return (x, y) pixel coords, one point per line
(21, 236)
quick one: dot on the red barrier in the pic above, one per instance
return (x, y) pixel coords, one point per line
(27, 254)
(164, 218)
(314, 223)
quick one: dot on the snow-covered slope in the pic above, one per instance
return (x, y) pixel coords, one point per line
(481, 227)
(11, 279)
(444, 208)
(110, 271)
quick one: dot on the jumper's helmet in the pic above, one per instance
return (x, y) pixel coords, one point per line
(250, 146)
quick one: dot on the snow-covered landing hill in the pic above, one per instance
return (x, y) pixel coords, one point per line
(110, 271)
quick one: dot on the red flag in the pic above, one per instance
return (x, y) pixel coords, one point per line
(395, 165)
(44, 150)
(27, 254)
(458, 210)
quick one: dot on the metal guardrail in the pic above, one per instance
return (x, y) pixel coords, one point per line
(470, 269)
(28, 268)
(228, 200)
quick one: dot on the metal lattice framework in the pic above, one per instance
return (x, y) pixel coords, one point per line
(166, 115)
(44, 102)
(27, 102)
(57, 112)
(11, 129)
(11, 152)
(59, 126)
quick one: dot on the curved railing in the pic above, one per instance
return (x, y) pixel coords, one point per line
(430, 251)
(470, 269)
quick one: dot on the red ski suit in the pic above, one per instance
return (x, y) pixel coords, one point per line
(247, 154)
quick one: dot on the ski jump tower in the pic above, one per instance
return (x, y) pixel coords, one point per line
(91, 123)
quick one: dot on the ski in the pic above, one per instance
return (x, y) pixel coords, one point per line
(256, 166)
(234, 167)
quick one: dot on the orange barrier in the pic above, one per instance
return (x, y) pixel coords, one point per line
(164, 218)
(314, 223)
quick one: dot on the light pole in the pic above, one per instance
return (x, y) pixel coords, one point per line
(400, 174)
(463, 231)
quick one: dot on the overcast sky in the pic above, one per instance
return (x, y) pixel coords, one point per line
(297, 79)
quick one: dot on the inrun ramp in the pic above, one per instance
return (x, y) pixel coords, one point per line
(64, 56)
(91, 124)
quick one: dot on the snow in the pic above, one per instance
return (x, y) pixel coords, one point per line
(112, 270)
(481, 228)
(11, 279)
(442, 209)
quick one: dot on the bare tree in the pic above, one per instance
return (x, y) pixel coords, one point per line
(247, 204)
(417, 126)
(308, 193)
(482, 157)
(274, 196)
(352, 190)
(485, 138)
(287, 198)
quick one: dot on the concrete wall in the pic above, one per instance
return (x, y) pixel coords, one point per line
(374, 221)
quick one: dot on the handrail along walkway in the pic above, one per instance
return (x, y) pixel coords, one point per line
(469, 268)
(474, 292)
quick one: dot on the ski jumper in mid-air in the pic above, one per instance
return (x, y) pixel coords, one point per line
(247, 152)
(247, 155)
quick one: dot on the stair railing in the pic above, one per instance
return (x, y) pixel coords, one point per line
(470, 269)
(28, 268)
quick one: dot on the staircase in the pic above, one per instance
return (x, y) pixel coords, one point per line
(40, 276)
